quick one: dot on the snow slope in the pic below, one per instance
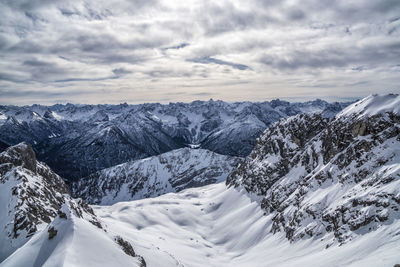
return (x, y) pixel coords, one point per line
(373, 105)
(169, 172)
(41, 225)
(77, 243)
(219, 226)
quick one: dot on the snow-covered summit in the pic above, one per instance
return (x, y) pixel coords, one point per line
(372, 105)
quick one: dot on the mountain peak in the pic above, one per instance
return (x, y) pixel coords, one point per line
(372, 105)
(21, 154)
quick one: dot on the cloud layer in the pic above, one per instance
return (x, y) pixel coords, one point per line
(159, 51)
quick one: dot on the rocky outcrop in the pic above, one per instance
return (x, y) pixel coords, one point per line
(32, 196)
(20, 155)
(323, 177)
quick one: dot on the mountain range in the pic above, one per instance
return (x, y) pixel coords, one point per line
(318, 188)
(78, 140)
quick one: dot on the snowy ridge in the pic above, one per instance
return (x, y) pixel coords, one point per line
(77, 243)
(326, 179)
(77, 140)
(41, 225)
(373, 105)
(169, 172)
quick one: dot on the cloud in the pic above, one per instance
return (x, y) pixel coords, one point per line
(121, 72)
(203, 94)
(179, 46)
(209, 60)
(235, 50)
(86, 79)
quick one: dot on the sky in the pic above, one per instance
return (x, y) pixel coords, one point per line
(136, 51)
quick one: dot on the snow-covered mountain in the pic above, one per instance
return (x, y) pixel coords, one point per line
(169, 172)
(77, 140)
(333, 179)
(41, 225)
(315, 191)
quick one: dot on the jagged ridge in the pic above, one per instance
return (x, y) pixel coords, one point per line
(170, 172)
(77, 140)
(322, 176)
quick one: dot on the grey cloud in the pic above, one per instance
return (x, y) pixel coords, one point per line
(4, 76)
(121, 71)
(31, 93)
(52, 43)
(43, 71)
(27, 46)
(86, 79)
(119, 57)
(369, 56)
(166, 73)
(38, 63)
(179, 46)
(203, 94)
(386, 6)
(68, 13)
(4, 42)
(296, 14)
(209, 60)
(29, 4)
(220, 19)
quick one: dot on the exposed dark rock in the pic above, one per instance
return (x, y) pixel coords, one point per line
(20, 155)
(126, 246)
(52, 232)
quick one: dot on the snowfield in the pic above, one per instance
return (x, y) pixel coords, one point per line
(219, 226)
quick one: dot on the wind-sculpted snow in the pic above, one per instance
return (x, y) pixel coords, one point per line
(373, 105)
(217, 226)
(169, 172)
(77, 140)
(42, 225)
(318, 176)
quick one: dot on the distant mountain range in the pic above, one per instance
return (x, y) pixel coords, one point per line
(77, 140)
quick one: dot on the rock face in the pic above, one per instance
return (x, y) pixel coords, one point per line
(31, 196)
(77, 140)
(169, 172)
(320, 176)
(20, 155)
